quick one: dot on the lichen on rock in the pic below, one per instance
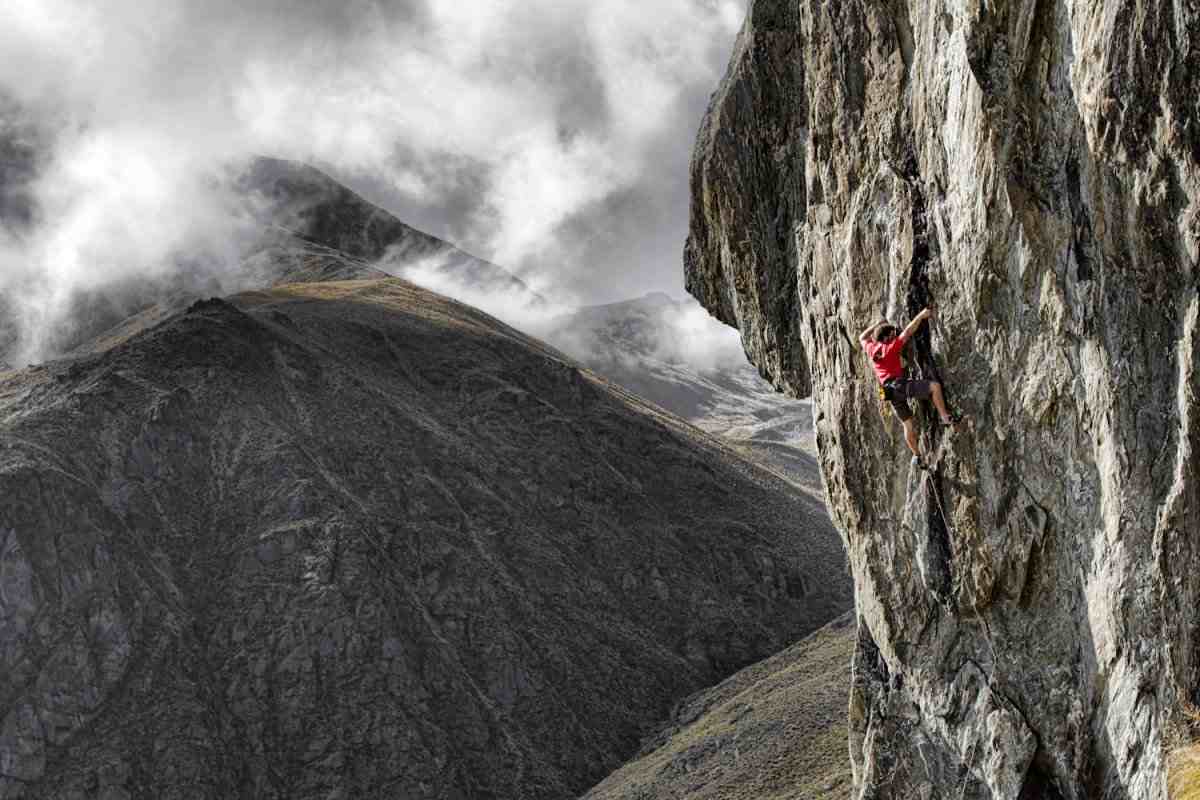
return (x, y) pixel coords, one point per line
(1026, 607)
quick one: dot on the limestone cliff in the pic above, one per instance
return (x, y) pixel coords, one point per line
(1027, 609)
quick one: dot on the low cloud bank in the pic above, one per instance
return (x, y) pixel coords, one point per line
(700, 340)
(655, 326)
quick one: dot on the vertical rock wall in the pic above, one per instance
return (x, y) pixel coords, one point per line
(1027, 609)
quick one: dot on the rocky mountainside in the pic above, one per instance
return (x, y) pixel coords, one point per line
(639, 343)
(314, 229)
(642, 344)
(352, 539)
(1027, 608)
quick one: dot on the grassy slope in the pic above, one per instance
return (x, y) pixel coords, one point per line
(774, 730)
(1183, 776)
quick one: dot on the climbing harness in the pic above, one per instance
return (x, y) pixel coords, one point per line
(885, 407)
(887, 392)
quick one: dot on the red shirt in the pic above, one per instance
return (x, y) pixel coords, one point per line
(885, 358)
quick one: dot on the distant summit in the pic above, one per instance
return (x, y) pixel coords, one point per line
(306, 213)
(657, 299)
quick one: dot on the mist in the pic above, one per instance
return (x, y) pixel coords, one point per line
(550, 137)
(674, 330)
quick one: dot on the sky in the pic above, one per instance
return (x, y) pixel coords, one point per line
(551, 137)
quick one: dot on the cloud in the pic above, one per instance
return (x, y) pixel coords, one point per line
(513, 303)
(699, 340)
(655, 327)
(550, 136)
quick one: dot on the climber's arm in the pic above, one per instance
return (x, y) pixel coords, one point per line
(915, 324)
(868, 334)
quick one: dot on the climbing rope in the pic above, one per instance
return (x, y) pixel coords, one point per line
(967, 774)
(936, 492)
(919, 297)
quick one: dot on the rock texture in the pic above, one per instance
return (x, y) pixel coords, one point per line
(1027, 610)
(353, 539)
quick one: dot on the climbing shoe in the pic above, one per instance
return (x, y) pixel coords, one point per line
(918, 463)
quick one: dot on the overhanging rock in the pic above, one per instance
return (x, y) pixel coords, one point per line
(1027, 608)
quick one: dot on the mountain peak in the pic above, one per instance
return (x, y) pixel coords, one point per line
(357, 523)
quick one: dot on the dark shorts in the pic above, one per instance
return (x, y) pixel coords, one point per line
(899, 392)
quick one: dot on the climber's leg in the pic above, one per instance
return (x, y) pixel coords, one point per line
(939, 402)
(900, 404)
(932, 390)
(905, 414)
(910, 437)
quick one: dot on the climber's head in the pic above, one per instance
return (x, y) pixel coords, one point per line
(886, 332)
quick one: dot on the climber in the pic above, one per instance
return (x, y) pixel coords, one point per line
(883, 345)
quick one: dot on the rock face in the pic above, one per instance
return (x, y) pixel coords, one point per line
(1027, 609)
(353, 539)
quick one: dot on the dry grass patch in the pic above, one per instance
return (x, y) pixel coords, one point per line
(775, 731)
(1183, 773)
